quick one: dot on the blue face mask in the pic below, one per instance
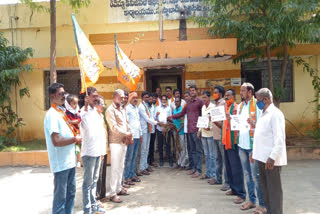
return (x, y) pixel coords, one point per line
(260, 105)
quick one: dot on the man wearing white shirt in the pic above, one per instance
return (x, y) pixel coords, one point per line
(248, 109)
(170, 98)
(162, 112)
(146, 122)
(132, 149)
(93, 149)
(269, 149)
(152, 105)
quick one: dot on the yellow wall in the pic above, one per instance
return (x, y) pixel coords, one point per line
(33, 31)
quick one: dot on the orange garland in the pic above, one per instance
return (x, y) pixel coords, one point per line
(65, 118)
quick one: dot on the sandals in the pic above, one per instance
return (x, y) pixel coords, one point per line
(247, 206)
(135, 179)
(123, 192)
(204, 177)
(128, 182)
(239, 200)
(260, 210)
(115, 199)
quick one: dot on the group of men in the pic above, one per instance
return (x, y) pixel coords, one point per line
(132, 130)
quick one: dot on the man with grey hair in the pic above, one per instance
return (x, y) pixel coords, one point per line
(269, 149)
(119, 137)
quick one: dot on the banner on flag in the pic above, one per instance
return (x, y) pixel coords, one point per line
(89, 62)
(128, 73)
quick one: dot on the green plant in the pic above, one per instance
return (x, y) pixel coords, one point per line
(263, 26)
(11, 67)
(314, 74)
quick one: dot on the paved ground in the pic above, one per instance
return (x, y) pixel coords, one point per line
(29, 190)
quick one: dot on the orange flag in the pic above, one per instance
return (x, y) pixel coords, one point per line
(89, 62)
(128, 73)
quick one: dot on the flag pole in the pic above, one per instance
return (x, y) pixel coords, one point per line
(78, 53)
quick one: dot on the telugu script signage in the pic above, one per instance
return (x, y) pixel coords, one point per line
(148, 10)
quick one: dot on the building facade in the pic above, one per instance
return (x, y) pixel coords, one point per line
(187, 55)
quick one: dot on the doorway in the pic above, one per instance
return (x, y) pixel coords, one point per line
(165, 76)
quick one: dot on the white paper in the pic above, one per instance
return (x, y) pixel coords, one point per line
(239, 123)
(203, 122)
(163, 117)
(218, 114)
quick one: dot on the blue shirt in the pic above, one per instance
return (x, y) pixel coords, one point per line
(179, 121)
(63, 157)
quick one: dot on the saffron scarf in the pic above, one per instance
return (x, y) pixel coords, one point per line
(172, 100)
(65, 118)
(148, 113)
(228, 136)
(252, 115)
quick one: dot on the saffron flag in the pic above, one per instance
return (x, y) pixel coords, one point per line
(89, 62)
(128, 73)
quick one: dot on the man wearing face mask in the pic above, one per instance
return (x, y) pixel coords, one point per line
(231, 150)
(218, 96)
(92, 151)
(61, 139)
(248, 109)
(269, 149)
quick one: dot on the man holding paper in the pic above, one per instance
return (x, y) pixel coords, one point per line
(218, 96)
(248, 110)
(231, 150)
(206, 135)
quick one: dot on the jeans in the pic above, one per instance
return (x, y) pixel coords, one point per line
(251, 174)
(101, 183)
(191, 163)
(210, 156)
(64, 191)
(151, 148)
(234, 171)
(183, 156)
(196, 151)
(167, 144)
(91, 166)
(137, 165)
(219, 149)
(130, 162)
(144, 151)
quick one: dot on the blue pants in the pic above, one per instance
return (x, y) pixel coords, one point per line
(210, 156)
(144, 151)
(196, 151)
(131, 156)
(234, 171)
(64, 191)
(91, 167)
(251, 174)
(219, 149)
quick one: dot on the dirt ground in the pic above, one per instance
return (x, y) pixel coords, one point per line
(29, 190)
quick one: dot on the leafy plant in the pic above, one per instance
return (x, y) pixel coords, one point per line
(12, 60)
(263, 26)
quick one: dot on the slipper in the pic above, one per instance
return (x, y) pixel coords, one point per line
(136, 179)
(230, 193)
(238, 200)
(260, 210)
(247, 206)
(115, 199)
(204, 177)
(123, 192)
